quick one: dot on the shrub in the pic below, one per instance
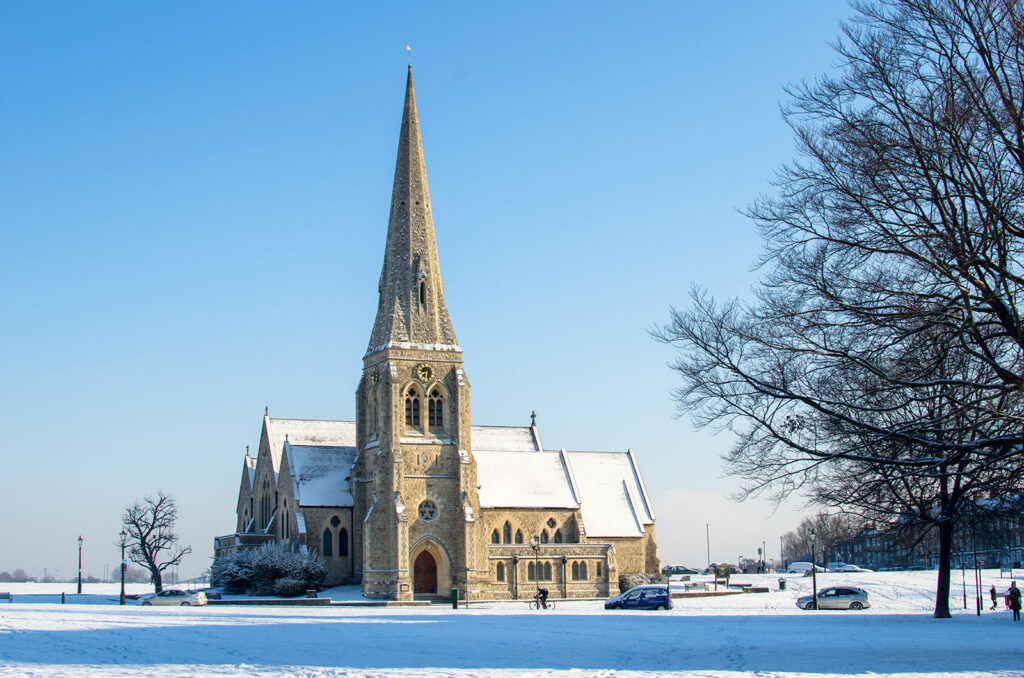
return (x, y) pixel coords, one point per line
(628, 581)
(261, 569)
(289, 588)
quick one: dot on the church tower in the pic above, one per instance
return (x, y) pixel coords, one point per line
(414, 482)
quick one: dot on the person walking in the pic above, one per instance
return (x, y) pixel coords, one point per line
(992, 593)
(1015, 601)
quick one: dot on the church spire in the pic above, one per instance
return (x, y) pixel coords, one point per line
(411, 306)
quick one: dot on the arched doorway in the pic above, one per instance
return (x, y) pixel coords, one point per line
(425, 573)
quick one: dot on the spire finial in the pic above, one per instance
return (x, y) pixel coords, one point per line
(533, 418)
(247, 450)
(266, 410)
(409, 50)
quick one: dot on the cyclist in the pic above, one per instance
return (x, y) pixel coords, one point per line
(542, 598)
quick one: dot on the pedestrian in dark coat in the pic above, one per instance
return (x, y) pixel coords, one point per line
(994, 595)
(1015, 601)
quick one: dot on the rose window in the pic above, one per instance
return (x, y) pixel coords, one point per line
(428, 510)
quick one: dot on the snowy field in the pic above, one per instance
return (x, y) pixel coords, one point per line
(741, 635)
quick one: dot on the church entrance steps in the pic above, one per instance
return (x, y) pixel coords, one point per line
(289, 602)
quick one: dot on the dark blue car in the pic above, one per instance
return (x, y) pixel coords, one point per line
(647, 597)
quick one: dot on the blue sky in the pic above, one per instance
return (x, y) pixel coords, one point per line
(194, 199)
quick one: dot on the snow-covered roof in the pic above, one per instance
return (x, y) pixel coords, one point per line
(613, 499)
(316, 432)
(320, 474)
(527, 479)
(504, 438)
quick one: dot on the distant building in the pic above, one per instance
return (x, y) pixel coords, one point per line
(411, 499)
(993, 533)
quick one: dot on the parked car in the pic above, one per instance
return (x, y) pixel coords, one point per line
(173, 597)
(803, 568)
(836, 598)
(852, 568)
(670, 570)
(711, 570)
(646, 597)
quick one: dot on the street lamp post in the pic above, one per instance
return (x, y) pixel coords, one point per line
(707, 536)
(124, 539)
(79, 564)
(814, 573)
(535, 545)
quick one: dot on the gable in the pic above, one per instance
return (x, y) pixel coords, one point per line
(613, 499)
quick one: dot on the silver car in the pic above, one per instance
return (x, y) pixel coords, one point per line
(836, 598)
(173, 597)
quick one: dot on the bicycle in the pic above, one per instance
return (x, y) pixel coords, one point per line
(538, 604)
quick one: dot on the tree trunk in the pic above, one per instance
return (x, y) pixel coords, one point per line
(945, 554)
(158, 582)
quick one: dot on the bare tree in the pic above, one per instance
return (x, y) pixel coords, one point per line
(881, 366)
(152, 541)
(829, 528)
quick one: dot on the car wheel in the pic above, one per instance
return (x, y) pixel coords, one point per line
(146, 604)
(661, 607)
(855, 605)
(810, 606)
(186, 604)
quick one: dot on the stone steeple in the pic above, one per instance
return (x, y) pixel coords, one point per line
(411, 312)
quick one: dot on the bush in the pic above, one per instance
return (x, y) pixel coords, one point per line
(628, 581)
(289, 588)
(261, 569)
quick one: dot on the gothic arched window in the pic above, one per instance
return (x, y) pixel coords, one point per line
(575, 570)
(501, 572)
(412, 408)
(343, 542)
(519, 536)
(544, 537)
(558, 536)
(423, 293)
(506, 532)
(547, 571)
(495, 538)
(583, 570)
(284, 521)
(435, 406)
(531, 574)
(328, 542)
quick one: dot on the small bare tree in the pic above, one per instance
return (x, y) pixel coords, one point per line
(151, 538)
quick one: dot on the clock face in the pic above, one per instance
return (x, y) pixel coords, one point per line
(424, 372)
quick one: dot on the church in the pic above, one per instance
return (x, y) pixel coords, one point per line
(412, 500)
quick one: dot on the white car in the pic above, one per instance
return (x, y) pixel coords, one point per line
(173, 597)
(852, 568)
(803, 568)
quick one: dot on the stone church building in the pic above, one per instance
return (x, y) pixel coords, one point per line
(412, 499)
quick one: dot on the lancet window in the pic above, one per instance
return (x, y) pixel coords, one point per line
(435, 408)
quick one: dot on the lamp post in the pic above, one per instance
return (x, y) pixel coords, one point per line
(79, 564)
(814, 573)
(535, 545)
(124, 540)
(707, 536)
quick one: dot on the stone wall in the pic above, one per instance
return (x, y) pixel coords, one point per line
(511, 565)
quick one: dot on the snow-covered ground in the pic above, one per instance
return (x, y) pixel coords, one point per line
(750, 635)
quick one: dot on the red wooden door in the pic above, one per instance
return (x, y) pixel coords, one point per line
(424, 573)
